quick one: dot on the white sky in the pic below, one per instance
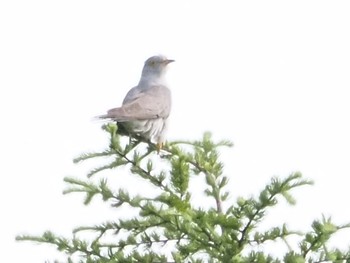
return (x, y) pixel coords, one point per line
(272, 76)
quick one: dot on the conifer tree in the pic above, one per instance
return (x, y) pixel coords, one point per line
(170, 219)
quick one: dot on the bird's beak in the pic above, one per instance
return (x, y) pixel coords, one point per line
(168, 61)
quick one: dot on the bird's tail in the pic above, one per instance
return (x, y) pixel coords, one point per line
(116, 114)
(102, 117)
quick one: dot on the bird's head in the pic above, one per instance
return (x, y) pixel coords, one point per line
(156, 65)
(157, 61)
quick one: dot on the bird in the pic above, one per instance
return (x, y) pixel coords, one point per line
(146, 107)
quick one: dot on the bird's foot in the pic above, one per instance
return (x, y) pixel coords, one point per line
(159, 146)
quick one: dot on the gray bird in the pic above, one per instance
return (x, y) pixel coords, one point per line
(146, 107)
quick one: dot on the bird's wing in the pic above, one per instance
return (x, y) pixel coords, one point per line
(155, 102)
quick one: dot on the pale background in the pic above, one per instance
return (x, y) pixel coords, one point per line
(272, 76)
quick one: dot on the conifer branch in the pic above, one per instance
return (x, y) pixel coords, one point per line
(255, 209)
(169, 218)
